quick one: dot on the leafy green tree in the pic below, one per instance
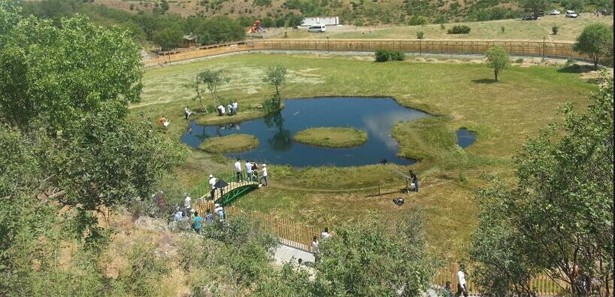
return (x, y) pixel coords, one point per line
(168, 38)
(595, 41)
(558, 218)
(212, 79)
(372, 258)
(276, 76)
(497, 58)
(535, 6)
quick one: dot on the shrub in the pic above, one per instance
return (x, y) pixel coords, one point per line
(503, 29)
(420, 35)
(555, 29)
(442, 26)
(383, 55)
(520, 60)
(417, 20)
(459, 29)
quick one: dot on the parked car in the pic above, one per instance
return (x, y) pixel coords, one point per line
(571, 14)
(317, 28)
(554, 12)
(529, 18)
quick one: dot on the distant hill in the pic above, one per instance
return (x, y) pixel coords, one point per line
(351, 12)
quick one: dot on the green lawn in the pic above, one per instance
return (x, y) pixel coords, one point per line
(504, 114)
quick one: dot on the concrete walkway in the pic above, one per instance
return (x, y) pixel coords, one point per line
(286, 253)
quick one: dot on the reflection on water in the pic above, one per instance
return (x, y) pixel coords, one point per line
(376, 116)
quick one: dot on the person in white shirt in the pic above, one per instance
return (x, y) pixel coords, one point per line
(187, 112)
(461, 282)
(212, 183)
(316, 249)
(221, 110)
(219, 210)
(238, 171)
(229, 108)
(248, 170)
(264, 177)
(235, 105)
(187, 204)
(325, 234)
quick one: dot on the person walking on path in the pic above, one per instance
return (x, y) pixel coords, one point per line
(325, 234)
(197, 222)
(315, 249)
(209, 217)
(238, 171)
(187, 205)
(264, 177)
(461, 282)
(415, 181)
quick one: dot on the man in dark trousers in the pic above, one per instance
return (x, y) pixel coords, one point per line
(415, 181)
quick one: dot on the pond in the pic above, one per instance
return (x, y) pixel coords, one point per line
(376, 116)
(465, 137)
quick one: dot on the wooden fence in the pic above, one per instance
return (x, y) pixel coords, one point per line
(544, 49)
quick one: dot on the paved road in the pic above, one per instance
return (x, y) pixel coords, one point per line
(286, 253)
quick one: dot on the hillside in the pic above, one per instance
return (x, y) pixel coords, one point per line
(351, 12)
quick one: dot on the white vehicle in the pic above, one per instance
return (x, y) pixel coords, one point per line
(317, 28)
(554, 12)
(571, 14)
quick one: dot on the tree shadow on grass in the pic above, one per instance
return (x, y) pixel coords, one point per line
(484, 81)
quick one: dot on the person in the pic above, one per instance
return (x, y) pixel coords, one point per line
(229, 107)
(248, 170)
(187, 202)
(447, 291)
(212, 184)
(415, 181)
(254, 171)
(221, 110)
(178, 214)
(209, 217)
(234, 106)
(238, 171)
(461, 282)
(164, 122)
(398, 201)
(264, 177)
(315, 248)
(220, 212)
(187, 112)
(325, 234)
(197, 222)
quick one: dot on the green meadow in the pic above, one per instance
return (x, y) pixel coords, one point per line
(504, 115)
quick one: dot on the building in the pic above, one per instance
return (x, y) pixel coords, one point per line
(328, 21)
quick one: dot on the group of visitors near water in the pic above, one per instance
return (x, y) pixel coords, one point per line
(231, 109)
(251, 172)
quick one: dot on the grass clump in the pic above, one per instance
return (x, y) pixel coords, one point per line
(230, 144)
(332, 137)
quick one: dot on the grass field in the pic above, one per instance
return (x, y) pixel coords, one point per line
(504, 115)
(514, 29)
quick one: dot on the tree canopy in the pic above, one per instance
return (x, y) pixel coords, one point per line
(558, 218)
(498, 59)
(596, 40)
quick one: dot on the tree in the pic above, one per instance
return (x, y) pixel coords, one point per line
(497, 58)
(535, 6)
(212, 79)
(66, 89)
(276, 76)
(168, 38)
(595, 41)
(558, 218)
(372, 258)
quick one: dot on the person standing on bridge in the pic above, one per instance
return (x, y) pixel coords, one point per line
(212, 183)
(248, 170)
(238, 171)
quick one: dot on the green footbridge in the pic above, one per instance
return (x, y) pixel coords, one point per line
(227, 194)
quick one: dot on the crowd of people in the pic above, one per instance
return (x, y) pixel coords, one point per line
(188, 214)
(251, 175)
(230, 109)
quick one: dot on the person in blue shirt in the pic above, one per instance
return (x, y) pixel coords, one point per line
(209, 217)
(197, 222)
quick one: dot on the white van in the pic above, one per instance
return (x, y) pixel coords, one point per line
(317, 28)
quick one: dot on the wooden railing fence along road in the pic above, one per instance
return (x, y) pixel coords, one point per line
(530, 48)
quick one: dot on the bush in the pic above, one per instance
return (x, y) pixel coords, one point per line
(417, 20)
(555, 29)
(442, 26)
(459, 29)
(420, 35)
(383, 55)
